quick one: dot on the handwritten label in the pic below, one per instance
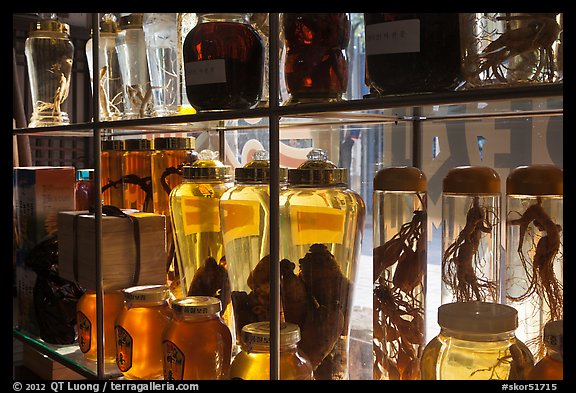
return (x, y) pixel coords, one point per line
(205, 72)
(393, 37)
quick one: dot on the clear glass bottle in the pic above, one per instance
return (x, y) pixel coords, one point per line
(110, 80)
(506, 49)
(137, 175)
(253, 361)
(551, 366)
(185, 22)
(399, 271)
(477, 341)
(321, 222)
(316, 65)
(260, 22)
(224, 62)
(534, 282)
(49, 58)
(471, 201)
(197, 343)
(87, 327)
(111, 172)
(138, 331)
(84, 189)
(161, 36)
(131, 49)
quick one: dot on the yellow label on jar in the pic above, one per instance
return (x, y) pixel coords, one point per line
(200, 215)
(239, 219)
(316, 224)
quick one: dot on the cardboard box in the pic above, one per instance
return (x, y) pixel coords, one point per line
(76, 234)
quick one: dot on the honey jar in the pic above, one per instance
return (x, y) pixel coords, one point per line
(137, 175)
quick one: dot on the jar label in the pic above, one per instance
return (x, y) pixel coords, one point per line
(316, 224)
(402, 36)
(200, 215)
(239, 219)
(205, 72)
(173, 361)
(124, 344)
(84, 332)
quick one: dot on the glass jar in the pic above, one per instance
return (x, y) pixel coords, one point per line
(224, 63)
(111, 172)
(476, 342)
(49, 57)
(109, 78)
(161, 36)
(137, 175)
(316, 66)
(260, 21)
(471, 203)
(399, 271)
(131, 49)
(113, 302)
(506, 49)
(551, 366)
(84, 189)
(185, 22)
(253, 361)
(321, 222)
(197, 343)
(412, 53)
(534, 252)
(138, 331)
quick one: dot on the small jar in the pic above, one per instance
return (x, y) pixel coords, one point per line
(87, 327)
(137, 175)
(224, 62)
(84, 189)
(253, 361)
(111, 172)
(138, 331)
(551, 366)
(477, 341)
(197, 343)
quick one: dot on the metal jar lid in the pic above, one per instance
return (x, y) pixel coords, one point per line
(147, 293)
(112, 145)
(174, 143)
(132, 21)
(50, 25)
(317, 170)
(401, 178)
(137, 144)
(478, 317)
(535, 180)
(206, 167)
(554, 335)
(197, 305)
(257, 334)
(472, 180)
(109, 24)
(257, 171)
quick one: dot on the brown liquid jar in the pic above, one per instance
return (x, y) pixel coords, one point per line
(84, 189)
(111, 172)
(137, 175)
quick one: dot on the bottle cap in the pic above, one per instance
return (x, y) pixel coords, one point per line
(84, 174)
(317, 170)
(478, 317)
(174, 143)
(257, 334)
(535, 180)
(147, 293)
(258, 170)
(197, 305)
(109, 24)
(137, 144)
(50, 25)
(554, 336)
(206, 167)
(472, 180)
(112, 145)
(403, 178)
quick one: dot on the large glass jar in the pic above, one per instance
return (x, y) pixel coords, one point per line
(534, 283)
(224, 63)
(49, 57)
(505, 49)
(412, 53)
(477, 341)
(399, 271)
(137, 175)
(471, 201)
(321, 224)
(111, 172)
(316, 65)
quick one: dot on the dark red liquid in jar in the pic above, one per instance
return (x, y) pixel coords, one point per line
(316, 66)
(84, 194)
(242, 51)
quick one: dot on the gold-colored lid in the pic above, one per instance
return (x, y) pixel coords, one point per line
(109, 24)
(472, 180)
(174, 143)
(206, 167)
(258, 170)
(137, 144)
(147, 293)
(535, 180)
(51, 25)
(258, 334)
(112, 145)
(401, 178)
(197, 305)
(131, 21)
(317, 170)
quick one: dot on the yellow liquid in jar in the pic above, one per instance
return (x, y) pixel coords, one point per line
(256, 366)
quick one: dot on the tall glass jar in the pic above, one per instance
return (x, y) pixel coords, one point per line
(316, 66)
(477, 341)
(84, 189)
(185, 22)
(534, 250)
(506, 49)
(471, 201)
(138, 331)
(137, 175)
(551, 366)
(108, 74)
(49, 57)
(253, 361)
(412, 53)
(131, 48)
(321, 222)
(400, 233)
(224, 62)
(197, 343)
(111, 172)
(260, 21)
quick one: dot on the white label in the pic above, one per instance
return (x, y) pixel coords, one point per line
(401, 36)
(205, 72)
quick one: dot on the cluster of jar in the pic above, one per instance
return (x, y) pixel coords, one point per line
(481, 335)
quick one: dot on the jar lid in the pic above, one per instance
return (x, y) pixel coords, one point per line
(258, 170)
(206, 167)
(147, 293)
(109, 24)
(53, 25)
(197, 305)
(478, 317)
(84, 174)
(554, 335)
(317, 170)
(131, 21)
(110, 145)
(137, 144)
(174, 143)
(401, 178)
(535, 180)
(472, 180)
(257, 334)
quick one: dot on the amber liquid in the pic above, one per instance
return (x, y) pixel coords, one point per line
(243, 51)
(84, 194)
(161, 160)
(136, 168)
(256, 366)
(547, 369)
(197, 348)
(112, 171)
(316, 65)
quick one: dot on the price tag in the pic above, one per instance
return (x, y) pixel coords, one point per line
(401, 36)
(205, 72)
